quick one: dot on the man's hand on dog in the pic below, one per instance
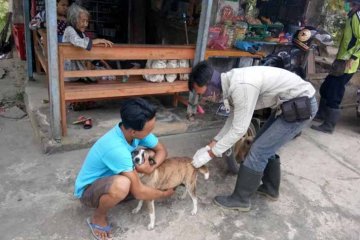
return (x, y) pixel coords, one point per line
(202, 156)
(168, 192)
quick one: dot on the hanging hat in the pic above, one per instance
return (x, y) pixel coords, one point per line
(302, 39)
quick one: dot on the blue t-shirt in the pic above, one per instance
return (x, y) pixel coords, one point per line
(109, 156)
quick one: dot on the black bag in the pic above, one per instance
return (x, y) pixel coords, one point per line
(297, 109)
(338, 68)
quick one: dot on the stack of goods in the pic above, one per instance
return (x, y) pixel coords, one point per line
(234, 24)
(159, 64)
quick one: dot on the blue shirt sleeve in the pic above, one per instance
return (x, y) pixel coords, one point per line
(118, 161)
(150, 141)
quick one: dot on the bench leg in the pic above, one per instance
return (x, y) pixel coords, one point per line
(175, 99)
(63, 118)
(37, 66)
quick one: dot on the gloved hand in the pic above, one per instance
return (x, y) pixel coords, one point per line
(201, 157)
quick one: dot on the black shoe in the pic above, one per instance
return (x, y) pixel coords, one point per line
(331, 118)
(247, 182)
(271, 179)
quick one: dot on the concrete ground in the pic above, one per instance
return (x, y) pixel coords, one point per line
(319, 192)
(320, 197)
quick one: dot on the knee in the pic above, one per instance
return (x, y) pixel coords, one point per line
(120, 187)
(256, 160)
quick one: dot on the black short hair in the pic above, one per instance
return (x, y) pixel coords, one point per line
(200, 74)
(136, 112)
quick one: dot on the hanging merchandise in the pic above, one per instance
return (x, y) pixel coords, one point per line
(302, 39)
(251, 9)
(240, 30)
(230, 32)
(221, 41)
(227, 11)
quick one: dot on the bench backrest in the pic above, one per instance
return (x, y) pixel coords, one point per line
(125, 52)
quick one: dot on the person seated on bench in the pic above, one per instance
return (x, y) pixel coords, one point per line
(39, 21)
(78, 20)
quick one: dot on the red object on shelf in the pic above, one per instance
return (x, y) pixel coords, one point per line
(19, 38)
(33, 8)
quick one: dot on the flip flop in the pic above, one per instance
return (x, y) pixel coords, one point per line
(93, 226)
(88, 124)
(81, 119)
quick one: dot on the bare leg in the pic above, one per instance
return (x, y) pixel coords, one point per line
(117, 192)
(151, 209)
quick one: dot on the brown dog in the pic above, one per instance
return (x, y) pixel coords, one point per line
(242, 147)
(170, 174)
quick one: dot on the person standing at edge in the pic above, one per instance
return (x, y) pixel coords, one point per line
(345, 65)
(245, 90)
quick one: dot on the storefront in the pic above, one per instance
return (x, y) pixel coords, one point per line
(177, 22)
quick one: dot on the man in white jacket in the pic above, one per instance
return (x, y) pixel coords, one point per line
(245, 90)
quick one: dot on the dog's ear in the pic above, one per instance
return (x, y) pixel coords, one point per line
(134, 153)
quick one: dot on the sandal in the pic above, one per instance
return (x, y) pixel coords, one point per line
(88, 124)
(92, 226)
(80, 119)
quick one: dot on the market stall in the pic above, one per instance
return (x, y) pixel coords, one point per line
(167, 22)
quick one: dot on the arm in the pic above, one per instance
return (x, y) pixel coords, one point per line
(160, 154)
(99, 41)
(143, 192)
(226, 126)
(244, 101)
(76, 40)
(106, 65)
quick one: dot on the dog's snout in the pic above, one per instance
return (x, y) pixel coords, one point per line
(137, 160)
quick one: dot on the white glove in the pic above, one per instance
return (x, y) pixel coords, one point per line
(201, 157)
(203, 149)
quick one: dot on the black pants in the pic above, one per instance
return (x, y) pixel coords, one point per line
(333, 88)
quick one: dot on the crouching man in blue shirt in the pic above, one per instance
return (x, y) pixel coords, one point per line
(108, 174)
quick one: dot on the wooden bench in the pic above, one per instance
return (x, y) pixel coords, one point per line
(110, 89)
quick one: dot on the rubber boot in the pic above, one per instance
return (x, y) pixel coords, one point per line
(271, 179)
(320, 115)
(332, 117)
(246, 184)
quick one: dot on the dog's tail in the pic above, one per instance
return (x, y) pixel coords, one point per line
(204, 170)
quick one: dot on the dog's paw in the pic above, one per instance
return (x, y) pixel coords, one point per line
(151, 226)
(194, 212)
(182, 197)
(135, 210)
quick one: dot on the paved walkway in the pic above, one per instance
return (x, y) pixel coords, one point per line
(319, 193)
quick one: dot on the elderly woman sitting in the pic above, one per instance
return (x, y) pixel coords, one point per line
(78, 20)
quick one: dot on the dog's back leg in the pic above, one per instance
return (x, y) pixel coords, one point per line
(183, 196)
(191, 189)
(138, 207)
(151, 210)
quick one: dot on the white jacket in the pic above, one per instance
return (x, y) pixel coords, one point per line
(252, 88)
